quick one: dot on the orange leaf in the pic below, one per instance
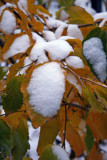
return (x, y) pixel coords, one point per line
(75, 140)
(98, 124)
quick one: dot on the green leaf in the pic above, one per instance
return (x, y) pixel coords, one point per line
(66, 3)
(48, 154)
(91, 100)
(98, 32)
(20, 140)
(5, 140)
(89, 139)
(13, 99)
(48, 133)
(3, 71)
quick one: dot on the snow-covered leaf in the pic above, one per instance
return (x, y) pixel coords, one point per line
(46, 88)
(8, 22)
(54, 152)
(95, 50)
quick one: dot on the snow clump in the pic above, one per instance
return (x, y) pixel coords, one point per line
(19, 45)
(60, 153)
(46, 89)
(8, 22)
(94, 52)
(75, 62)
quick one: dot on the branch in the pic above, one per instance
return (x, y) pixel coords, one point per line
(25, 66)
(82, 78)
(91, 81)
(63, 145)
(89, 24)
(66, 67)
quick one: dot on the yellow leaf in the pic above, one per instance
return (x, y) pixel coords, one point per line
(78, 15)
(48, 133)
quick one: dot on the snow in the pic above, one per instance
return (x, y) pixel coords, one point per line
(75, 62)
(74, 31)
(66, 37)
(58, 49)
(19, 45)
(27, 63)
(2, 8)
(101, 15)
(7, 5)
(72, 79)
(8, 22)
(49, 36)
(103, 22)
(33, 141)
(63, 15)
(53, 23)
(86, 4)
(41, 59)
(60, 30)
(37, 50)
(46, 89)
(94, 53)
(22, 4)
(60, 153)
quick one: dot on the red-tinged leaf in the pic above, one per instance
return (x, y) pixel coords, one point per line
(78, 15)
(48, 133)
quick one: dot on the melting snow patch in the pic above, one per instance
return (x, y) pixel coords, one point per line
(60, 153)
(94, 53)
(46, 88)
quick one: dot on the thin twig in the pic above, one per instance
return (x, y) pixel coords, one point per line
(63, 145)
(69, 92)
(89, 24)
(67, 67)
(91, 81)
(76, 105)
(25, 66)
